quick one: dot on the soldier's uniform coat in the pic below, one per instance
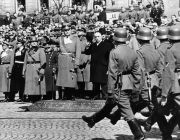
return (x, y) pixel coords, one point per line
(123, 60)
(83, 75)
(68, 57)
(150, 62)
(51, 62)
(4, 70)
(171, 74)
(33, 61)
(133, 16)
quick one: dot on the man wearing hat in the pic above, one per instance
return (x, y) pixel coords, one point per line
(50, 71)
(83, 72)
(123, 77)
(33, 70)
(68, 62)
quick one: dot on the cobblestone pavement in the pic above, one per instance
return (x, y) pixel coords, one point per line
(18, 125)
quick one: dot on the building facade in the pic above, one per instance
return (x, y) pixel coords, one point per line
(171, 6)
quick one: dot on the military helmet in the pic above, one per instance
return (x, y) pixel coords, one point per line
(144, 34)
(120, 35)
(162, 33)
(174, 33)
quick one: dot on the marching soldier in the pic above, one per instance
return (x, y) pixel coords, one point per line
(16, 68)
(170, 99)
(151, 67)
(123, 77)
(33, 70)
(5, 58)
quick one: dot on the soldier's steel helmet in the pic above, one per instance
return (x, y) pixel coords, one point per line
(162, 33)
(144, 34)
(120, 35)
(174, 33)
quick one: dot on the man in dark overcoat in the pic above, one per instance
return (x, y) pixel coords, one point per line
(99, 63)
(50, 72)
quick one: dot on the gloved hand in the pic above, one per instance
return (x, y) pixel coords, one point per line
(163, 101)
(41, 71)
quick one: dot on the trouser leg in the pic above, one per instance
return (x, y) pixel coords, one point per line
(127, 113)
(104, 90)
(96, 90)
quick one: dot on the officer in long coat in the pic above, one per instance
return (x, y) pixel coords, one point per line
(170, 99)
(50, 71)
(83, 73)
(99, 63)
(5, 58)
(68, 61)
(123, 77)
(33, 70)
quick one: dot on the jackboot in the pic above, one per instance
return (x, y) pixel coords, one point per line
(136, 130)
(114, 117)
(100, 115)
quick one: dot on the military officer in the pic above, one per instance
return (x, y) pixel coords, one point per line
(68, 62)
(5, 58)
(50, 71)
(123, 77)
(33, 70)
(83, 73)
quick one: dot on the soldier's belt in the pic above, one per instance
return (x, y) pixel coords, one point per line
(19, 62)
(3, 63)
(33, 62)
(126, 72)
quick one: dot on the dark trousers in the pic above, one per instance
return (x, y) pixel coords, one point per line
(17, 81)
(96, 90)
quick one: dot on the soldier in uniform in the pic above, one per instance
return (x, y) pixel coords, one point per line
(5, 58)
(124, 14)
(33, 70)
(132, 15)
(69, 17)
(151, 67)
(50, 71)
(123, 77)
(170, 99)
(16, 68)
(83, 73)
(141, 13)
(156, 13)
(68, 61)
